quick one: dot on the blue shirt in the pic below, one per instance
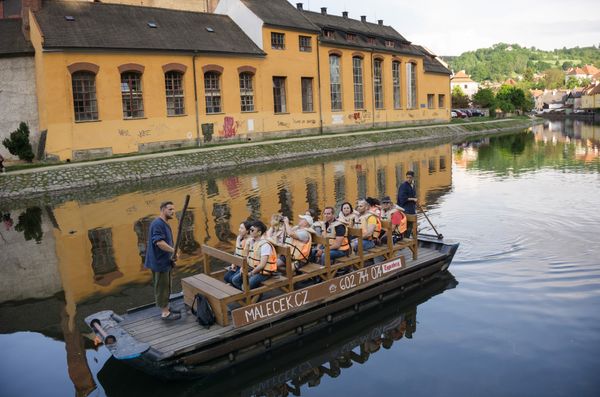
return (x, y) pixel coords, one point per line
(156, 259)
(406, 191)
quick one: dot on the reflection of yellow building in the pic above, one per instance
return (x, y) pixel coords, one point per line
(99, 244)
(115, 79)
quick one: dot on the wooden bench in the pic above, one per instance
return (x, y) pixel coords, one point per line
(216, 291)
(410, 243)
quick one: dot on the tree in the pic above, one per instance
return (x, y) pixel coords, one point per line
(484, 98)
(528, 75)
(554, 78)
(18, 143)
(512, 98)
(566, 65)
(459, 99)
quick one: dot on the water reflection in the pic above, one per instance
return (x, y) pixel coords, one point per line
(292, 370)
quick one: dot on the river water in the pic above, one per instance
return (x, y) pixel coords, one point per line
(518, 315)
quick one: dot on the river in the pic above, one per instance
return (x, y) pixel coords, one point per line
(517, 316)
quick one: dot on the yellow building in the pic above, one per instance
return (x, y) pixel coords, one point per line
(114, 79)
(590, 97)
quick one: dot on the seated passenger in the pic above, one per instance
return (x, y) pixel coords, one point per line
(276, 232)
(347, 214)
(337, 233)
(395, 214)
(241, 249)
(299, 240)
(370, 225)
(317, 226)
(374, 206)
(262, 260)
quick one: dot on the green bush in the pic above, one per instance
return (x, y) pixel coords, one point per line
(18, 143)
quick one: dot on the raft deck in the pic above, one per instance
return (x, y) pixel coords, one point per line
(172, 339)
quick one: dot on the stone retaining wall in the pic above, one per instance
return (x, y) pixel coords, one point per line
(43, 181)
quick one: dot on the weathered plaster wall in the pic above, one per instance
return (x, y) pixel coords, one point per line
(17, 98)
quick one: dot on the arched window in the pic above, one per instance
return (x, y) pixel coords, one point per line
(131, 95)
(378, 83)
(396, 84)
(174, 93)
(411, 80)
(357, 75)
(247, 91)
(212, 92)
(85, 104)
(335, 82)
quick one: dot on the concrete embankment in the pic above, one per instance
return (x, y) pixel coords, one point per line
(58, 178)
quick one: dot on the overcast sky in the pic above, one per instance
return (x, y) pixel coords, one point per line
(451, 28)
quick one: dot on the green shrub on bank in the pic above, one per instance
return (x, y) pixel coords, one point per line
(18, 143)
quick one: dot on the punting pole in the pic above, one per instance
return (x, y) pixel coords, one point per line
(439, 235)
(180, 227)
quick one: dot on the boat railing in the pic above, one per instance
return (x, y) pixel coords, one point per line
(288, 279)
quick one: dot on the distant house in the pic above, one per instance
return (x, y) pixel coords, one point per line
(573, 100)
(510, 82)
(551, 100)
(463, 80)
(585, 72)
(590, 96)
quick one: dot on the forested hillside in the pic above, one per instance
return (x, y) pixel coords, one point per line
(502, 61)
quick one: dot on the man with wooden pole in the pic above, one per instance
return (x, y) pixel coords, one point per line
(161, 255)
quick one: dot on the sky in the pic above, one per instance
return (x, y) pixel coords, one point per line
(451, 28)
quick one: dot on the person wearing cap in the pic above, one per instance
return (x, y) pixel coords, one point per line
(299, 239)
(337, 234)
(407, 199)
(395, 214)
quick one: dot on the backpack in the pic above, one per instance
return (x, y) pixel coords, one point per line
(204, 313)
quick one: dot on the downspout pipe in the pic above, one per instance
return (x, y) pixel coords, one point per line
(319, 83)
(196, 100)
(372, 88)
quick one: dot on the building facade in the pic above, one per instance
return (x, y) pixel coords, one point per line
(463, 80)
(114, 78)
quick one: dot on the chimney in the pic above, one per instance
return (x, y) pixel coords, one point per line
(299, 6)
(363, 18)
(380, 22)
(26, 5)
(345, 14)
(323, 10)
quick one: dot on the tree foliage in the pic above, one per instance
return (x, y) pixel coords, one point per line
(18, 143)
(503, 61)
(484, 98)
(511, 98)
(459, 98)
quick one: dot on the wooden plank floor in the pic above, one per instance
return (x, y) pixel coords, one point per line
(186, 334)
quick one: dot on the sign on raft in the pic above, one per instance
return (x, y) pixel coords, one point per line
(294, 300)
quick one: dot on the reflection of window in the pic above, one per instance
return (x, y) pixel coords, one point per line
(442, 163)
(357, 75)
(335, 82)
(103, 255)
(188, 244)
(361, 181)
(339, 188)
(431, 166)
(399, 174)
(285, 201)
(212, 189)
(222, 214)
(312, 193)
(141, 228)
(381, 182)
(253, 206)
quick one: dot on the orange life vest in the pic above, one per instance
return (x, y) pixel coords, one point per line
(363, 220)
(387, 216)
(300, 250)
(254, 257)
(332, 237)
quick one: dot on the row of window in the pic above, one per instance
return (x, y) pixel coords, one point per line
(86, 107)
(305, 45)
(85, 104)
(335, 79)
